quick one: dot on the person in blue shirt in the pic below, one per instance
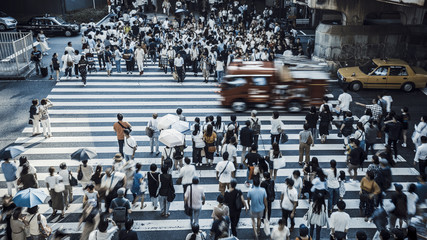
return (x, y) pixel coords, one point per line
(128, 56)
(257, 202)
(9, 171)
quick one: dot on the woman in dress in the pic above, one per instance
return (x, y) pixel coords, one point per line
(219, 128)
(82, 65)
(198, 145)
(41, 38)
(317, 216)
(275, 157)
(44, 106)
(153, 179)
(55, 66)
(137, 192)
(97, 176)
(325, 122)
(90, 196)
(58, 201)
(18, 225)
(67, 64)
(210, 139)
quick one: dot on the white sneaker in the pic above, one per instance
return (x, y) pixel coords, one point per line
(84, 85)
(403, 144)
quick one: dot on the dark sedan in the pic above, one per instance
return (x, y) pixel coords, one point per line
(50, 26)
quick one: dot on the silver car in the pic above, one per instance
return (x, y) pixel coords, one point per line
(7, 22)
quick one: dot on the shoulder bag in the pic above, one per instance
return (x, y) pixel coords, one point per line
(59, 186)
(171, 195)
(223, 169)
(189, 209)
(73, 181)
(45, 232)
(128, 128)
(80, 173)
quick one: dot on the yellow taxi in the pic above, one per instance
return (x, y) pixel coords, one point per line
(383, 74)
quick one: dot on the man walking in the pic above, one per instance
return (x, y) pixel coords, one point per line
(255, 126)
(421, 157)
(9, 171)
(152, 124)
(257, 202)
(120, 208)
(111, 182)
(117, 58)
(119, 128)
(344, 101)
(140, 56)
(224, 171)
(197, 199)
(268, 185)
(130, 145)
(289, 202)
(340, 222)
(246, 138)
(187, 173)
(179, 64)
(36, 57)
(393, 128)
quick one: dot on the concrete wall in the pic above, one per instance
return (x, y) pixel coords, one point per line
(72, 5)
(356, 44)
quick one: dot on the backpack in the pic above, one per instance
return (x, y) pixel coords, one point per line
(271, 195)
(168, 161)
(178, 154)
(119, 214)
(238, 200)
(363, 157)
(256, 127)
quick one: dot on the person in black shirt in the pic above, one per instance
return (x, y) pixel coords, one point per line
(311, 119)
(252, 160)
(36, 57)
(128, 233)
(354, 158)
(270, 192)
(230, 201)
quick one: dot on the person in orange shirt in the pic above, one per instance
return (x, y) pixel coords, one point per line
(368, 190)
(118, 127)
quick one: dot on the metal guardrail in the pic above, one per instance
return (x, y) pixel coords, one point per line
(15, 53)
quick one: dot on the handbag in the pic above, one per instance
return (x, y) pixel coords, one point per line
(266, 224)
(171, 196)
(175, 75)
(149, 132)
(211, 149)
(73, 180)
(283, 137)
(59, 187)
(309, 140)
(80, 173)
(30, 121)
(279, 163)
(189, 209)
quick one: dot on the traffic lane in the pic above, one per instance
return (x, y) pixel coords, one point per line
(415, 101)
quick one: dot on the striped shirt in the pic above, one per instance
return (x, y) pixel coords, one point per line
(376, 110)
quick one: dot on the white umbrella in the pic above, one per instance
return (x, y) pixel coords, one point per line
(181, 126)
(166, 121)
(171, 138)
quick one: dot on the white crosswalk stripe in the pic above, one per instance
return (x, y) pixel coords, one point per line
(83, 117)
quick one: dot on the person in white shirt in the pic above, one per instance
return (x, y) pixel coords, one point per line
(333, 185)
(152, 124)
(196, 199)
(33, 219)
(388, 99)
(276, 128)
(280, 231)
(339, 222)
(117, 58)
(179, 67)
(289, 202)
(296, 176)
(232, 151)
(344, 101)
(103, 233)
(130, 146)
(224, 172)
(219, 69)
(68, 193)
(187, 172)
(412, 198)
(140, 56)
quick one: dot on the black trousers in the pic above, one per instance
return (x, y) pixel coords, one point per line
(101, 59)
(287, 214)
(275, 138)
(256, 139)
(129, 65)
(234, 218)
(180, 72)
(195, 68)
(269, 211)
(76, 69)
(394, 142)
(121, 142)
(422, 164)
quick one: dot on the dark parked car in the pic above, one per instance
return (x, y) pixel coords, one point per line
(50, 26)
(7, 22)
